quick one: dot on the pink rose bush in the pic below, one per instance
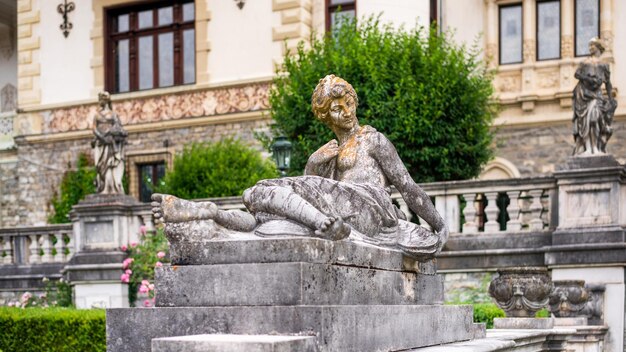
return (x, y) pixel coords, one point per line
(57, 293)
(138, 268)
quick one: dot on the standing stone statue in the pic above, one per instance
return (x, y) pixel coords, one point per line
(345, 193)
(108, 148)
(593, 111)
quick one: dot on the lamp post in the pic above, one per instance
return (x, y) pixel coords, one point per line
(281, 150)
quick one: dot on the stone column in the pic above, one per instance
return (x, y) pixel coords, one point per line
(529, 52)
(102, 224)
(491, 37)
(567, 66)
(606, 26)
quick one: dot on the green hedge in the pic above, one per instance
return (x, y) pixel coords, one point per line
(485, 312)
(52, 329)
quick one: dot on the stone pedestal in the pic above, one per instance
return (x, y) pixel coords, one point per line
(102, 223)
(590, 242)
(350, 297)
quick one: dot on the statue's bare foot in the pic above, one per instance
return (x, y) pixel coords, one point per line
(167, 208)
(333, 228)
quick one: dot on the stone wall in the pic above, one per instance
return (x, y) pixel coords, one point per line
(540, 150)
(8, 193)
(41, 164)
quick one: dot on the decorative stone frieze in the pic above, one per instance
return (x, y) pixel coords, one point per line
(254, 97)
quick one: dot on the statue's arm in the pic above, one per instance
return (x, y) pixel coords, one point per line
(414, 196)
(607, 83)
(321, 157)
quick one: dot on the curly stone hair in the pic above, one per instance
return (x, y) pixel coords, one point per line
(329, 88)
(597, 42)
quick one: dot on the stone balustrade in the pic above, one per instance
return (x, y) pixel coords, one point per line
(494, 206)
(36, 245)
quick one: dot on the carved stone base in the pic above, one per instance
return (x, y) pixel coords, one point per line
(336, 328)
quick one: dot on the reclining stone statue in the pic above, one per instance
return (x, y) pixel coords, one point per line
(344, 194)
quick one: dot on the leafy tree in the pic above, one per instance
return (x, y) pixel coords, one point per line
(75, 185)
(221, 169)
(430, 97)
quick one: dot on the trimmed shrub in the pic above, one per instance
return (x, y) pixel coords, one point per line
(52, 330)
(221, 169)
(430, 97)
(486, 312)
(75, 185)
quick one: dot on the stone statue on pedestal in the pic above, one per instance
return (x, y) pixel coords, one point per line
(593, 111)
(108, 148)
(345, 193)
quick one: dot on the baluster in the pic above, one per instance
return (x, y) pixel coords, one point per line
(545, 204)
(492, 212)
(147, 222)
(536, 223)
(58, 247)
(470, 225)
(514, 223)
(405, 209)
(46, 247)
(33, 249)
(7, 248)
(68, 247)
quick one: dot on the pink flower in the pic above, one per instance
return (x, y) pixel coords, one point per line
(125, 278)
(133, 244)
(145, 282)
(129, 272)
(147, 303)
(151, 287)
(158, 264)
(143, 229)
(161, 255)
(124, 248)
(144, 289)
(126, 263)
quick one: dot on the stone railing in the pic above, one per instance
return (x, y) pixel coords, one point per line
(476, 206)
(492, 206)
(36, 245)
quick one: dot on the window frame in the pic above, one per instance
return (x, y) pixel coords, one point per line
(500, 7)
(154, 165)
(537, 30)
(576, 27)
(332, 8)
(177, 27)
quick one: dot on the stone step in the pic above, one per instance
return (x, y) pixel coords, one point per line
(234, 343)
(336, 328)
(287, 284)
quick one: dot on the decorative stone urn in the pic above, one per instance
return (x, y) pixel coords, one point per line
(568, 298)
(521, 291)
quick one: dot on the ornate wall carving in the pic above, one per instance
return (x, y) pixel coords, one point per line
(220, 101)
(8, 98)
(548, 79)
(6, 125)
(567, 46)
(529, 50)
(509, 83)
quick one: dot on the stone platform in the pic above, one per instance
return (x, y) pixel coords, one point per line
(348, 296)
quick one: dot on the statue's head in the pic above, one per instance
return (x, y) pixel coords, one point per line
(595, 44)
(104, 99)
(328, 89)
